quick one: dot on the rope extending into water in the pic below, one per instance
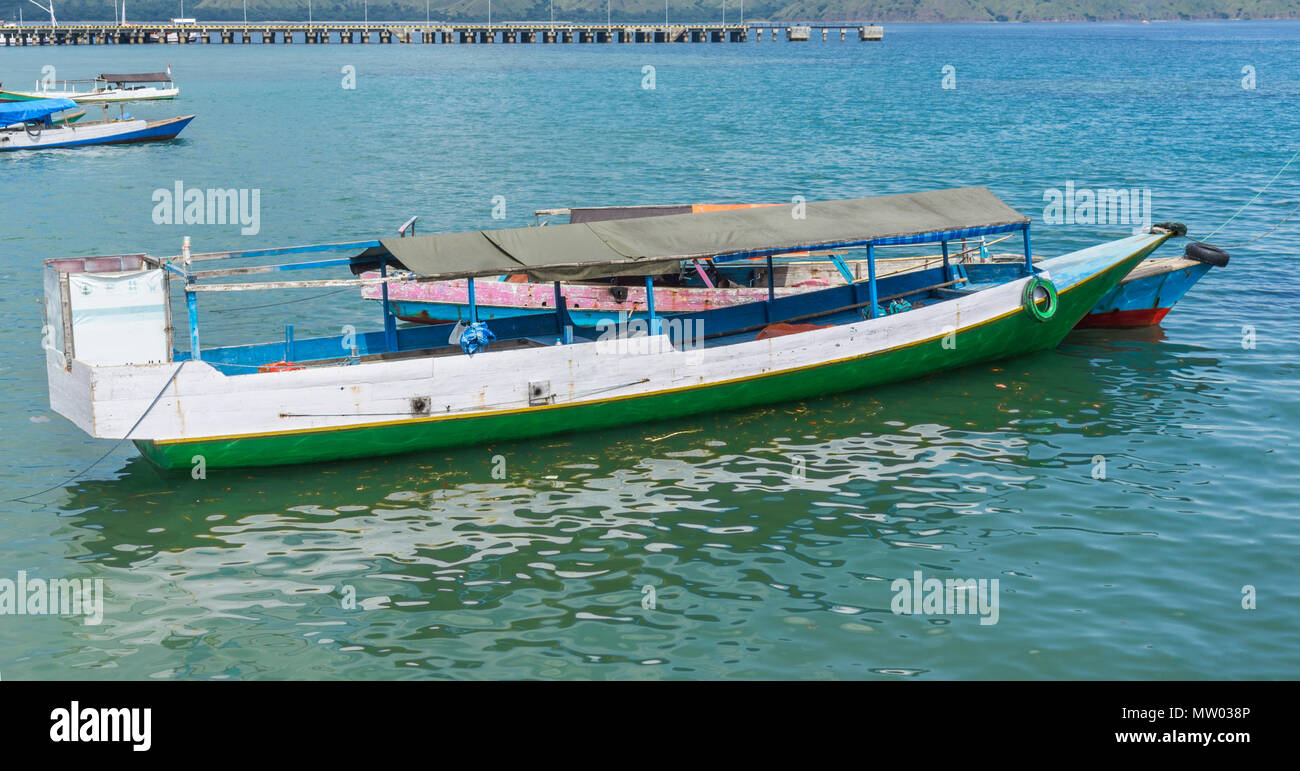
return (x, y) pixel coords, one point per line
(1266, 232)
(115, 444)
(283, 302)
(1256, 198)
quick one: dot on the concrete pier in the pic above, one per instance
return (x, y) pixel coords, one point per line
(320, 33)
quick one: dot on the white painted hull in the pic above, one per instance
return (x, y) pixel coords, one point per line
(106, 95)
(106, 401)
(100, 132)
(19, 139)
(169, 402)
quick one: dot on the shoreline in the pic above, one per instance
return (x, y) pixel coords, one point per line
(460, 21)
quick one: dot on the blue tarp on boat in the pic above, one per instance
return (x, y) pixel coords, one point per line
(18, 112)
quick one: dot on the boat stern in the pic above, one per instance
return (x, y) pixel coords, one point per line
(106, 318)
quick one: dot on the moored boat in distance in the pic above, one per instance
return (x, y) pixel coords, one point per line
(698, 285)
(1143, 298)
(1146, 295)
(108, 87)
(115, 372)
(31, 125)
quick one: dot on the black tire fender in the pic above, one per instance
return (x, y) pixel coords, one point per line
(1206, 253)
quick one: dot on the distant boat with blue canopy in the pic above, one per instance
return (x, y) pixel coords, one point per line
(33, 125)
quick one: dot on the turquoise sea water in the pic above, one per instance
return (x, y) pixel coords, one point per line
(987, 473)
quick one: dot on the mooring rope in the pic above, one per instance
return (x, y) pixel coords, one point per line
(115, 444)
(283, 302)
(1256, 198)
(1266, 232)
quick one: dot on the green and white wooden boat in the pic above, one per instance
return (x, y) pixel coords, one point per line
(114, 371)
(109, 87)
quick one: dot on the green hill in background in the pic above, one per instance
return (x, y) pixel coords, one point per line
(680, 10)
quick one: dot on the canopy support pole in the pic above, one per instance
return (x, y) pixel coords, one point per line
(192, 305)
(840, 265)
(1029, 257)
(390, 321)
(947, 266)
(871, 279)
(562, 316)
(191, 301)
(703, 275)
(473, 306)
(650, 304)
(771, 288)
(848, 276)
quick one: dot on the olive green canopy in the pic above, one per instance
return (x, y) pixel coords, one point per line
(654, 245)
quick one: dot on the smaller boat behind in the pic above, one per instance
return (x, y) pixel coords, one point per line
(108, 87)
(33, 125)
(1144, 297)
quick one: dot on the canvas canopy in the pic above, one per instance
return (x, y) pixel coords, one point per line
(35, 109)
(604, 213)
(654, 245)
(136, 77)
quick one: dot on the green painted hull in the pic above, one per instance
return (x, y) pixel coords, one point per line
(1013, 335)
(13, 96)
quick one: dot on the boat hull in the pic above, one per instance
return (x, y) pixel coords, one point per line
(1147, 295)
(106, 96)
(78, 135)
(479, 391)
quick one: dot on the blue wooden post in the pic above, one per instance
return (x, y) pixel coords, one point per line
(771, 290)
(192, 305)
(1029, 257)
(650, 304)
(562, 316)
(947, 268)
(848, 277)
(473, 306)
(191, 301)
(871, 277)
(390, 321)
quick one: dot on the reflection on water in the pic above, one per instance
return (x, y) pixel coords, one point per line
(761, 533)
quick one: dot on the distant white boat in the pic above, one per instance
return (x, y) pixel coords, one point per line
(109, 87)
